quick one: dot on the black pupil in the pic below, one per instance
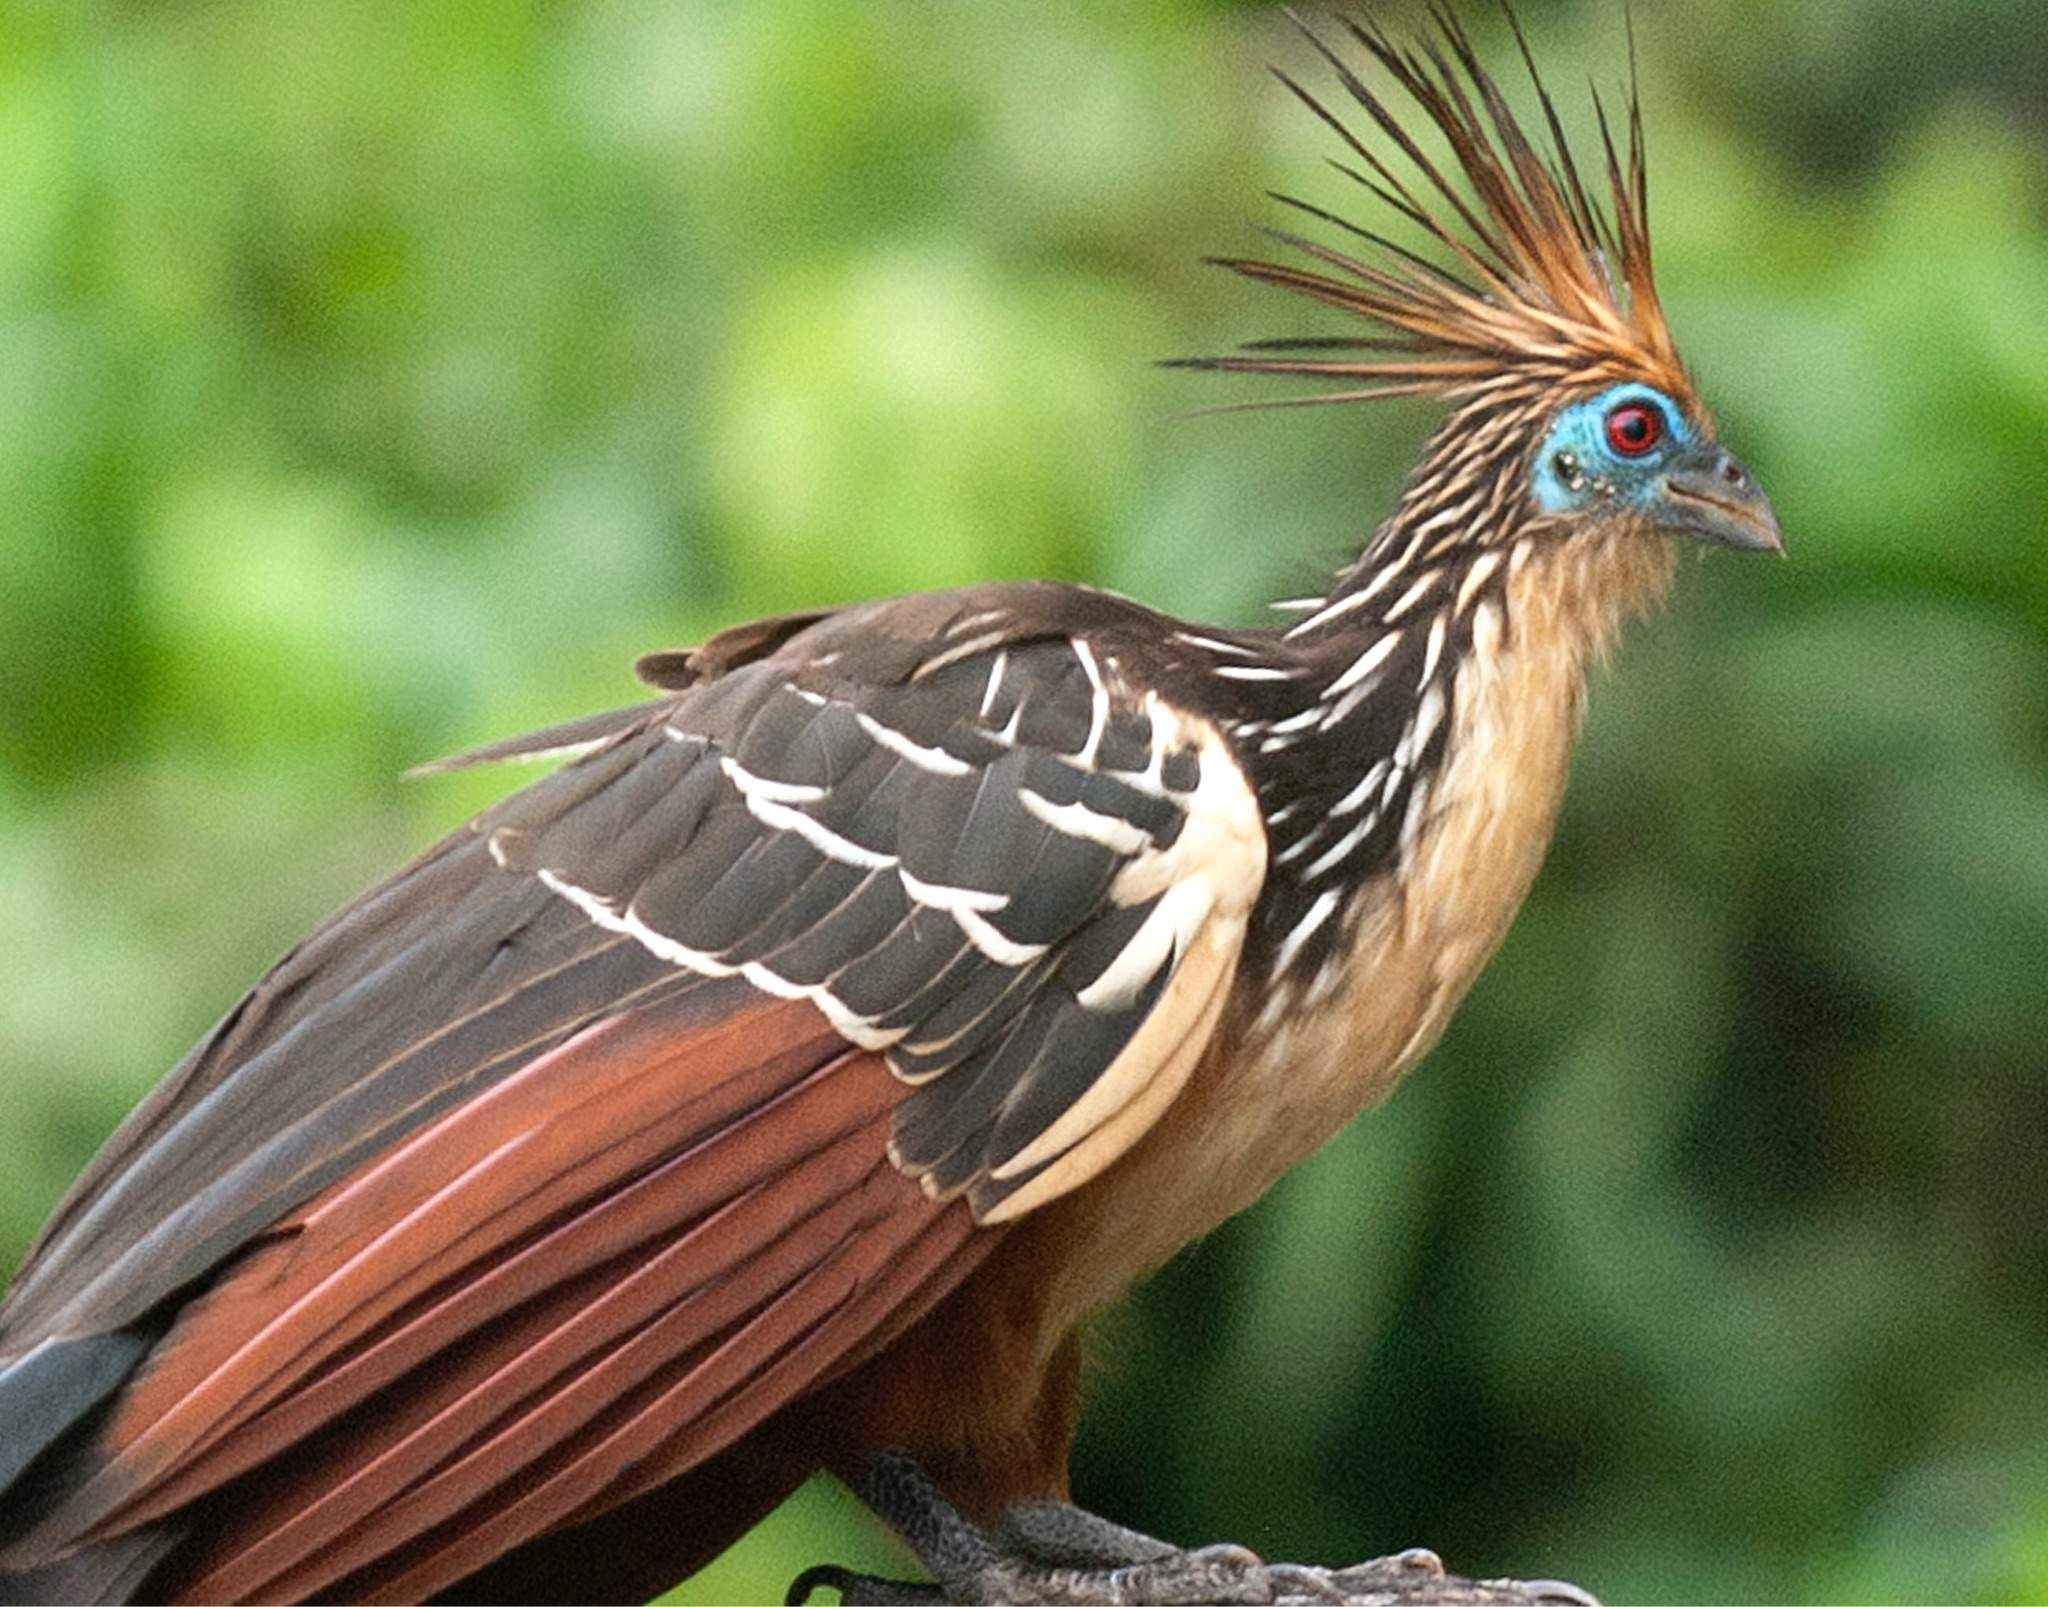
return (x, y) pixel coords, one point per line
(1635, 427)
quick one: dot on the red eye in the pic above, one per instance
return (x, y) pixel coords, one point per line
(1633, 428)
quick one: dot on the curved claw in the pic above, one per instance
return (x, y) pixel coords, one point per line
(1560, 1591)
(861, 1590)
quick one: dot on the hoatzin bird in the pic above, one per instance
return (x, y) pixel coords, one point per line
(780, 1083)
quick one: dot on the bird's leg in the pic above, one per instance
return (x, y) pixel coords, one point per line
(1052, 1552)
(1062, 1535)
(1041, 1551)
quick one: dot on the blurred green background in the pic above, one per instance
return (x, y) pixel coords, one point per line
(377, 379)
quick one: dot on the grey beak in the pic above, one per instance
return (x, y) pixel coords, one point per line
(1716, 499)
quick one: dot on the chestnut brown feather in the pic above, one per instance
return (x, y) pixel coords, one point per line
(649, 1239)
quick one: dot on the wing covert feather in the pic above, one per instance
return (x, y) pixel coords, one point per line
(946, 849)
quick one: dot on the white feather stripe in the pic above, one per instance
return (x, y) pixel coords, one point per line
(973, 622)
(997, 666)
(984, 935)
(1327, 611)
(604, 913)
(787, 792)
(820, 836)
(1432, 650)
(857, 1029)
(966, 905)
(1121, 1105)
(561, 750)
(1298, 722)
(1486, 635)
(1453, 514)
(1089, 825)
(1167, 737)
(936, 761)
(1098, 715)
(1363, 665)
(935, 895)
(1164, 933)
(1318, 912)
(952, 655)
(1413, 595)
(1345, 706)
(1482, 567)
(1358, 794)
(1411, 823)
(1212, 645)
(1427, 715)
(1342, 847)
(1300, 846)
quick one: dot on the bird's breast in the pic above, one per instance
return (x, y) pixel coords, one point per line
(1276, 1083)
(1418, 934)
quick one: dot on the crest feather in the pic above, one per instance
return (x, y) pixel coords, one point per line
(1544, 285)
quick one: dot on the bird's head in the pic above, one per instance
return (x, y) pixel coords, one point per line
(1535, 314)
(1632, 451)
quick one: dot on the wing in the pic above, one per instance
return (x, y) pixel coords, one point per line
(979, 847)
(586, 1143)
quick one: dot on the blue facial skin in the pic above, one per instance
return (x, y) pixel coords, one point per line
(1577, 471)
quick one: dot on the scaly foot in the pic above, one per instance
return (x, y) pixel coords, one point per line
(1051, 1552)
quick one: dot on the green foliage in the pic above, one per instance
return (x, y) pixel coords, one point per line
(379, 379)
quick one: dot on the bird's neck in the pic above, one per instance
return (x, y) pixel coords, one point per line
(1544, 590)
(1410, 660)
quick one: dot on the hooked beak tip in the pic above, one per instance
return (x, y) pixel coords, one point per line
(1721, 502)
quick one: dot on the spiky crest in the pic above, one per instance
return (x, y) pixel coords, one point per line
(1546, 289)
